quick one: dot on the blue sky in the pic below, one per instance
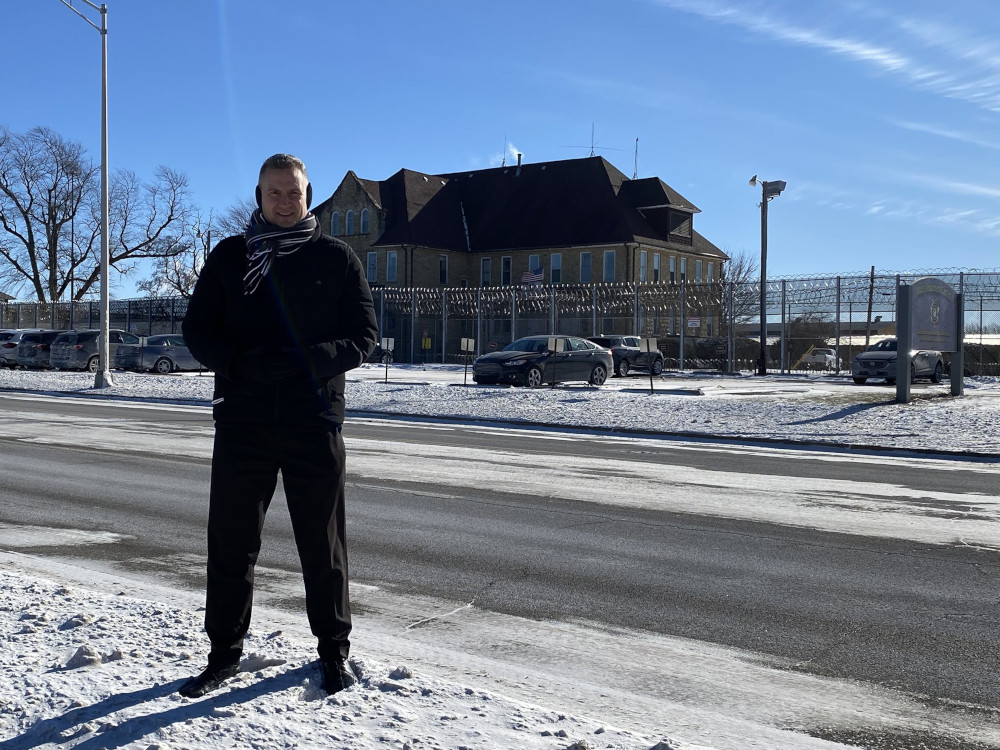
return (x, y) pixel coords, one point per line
(882, 117)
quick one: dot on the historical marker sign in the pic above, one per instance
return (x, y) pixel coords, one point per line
(934, 316)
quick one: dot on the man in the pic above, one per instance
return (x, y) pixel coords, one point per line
(279, 313)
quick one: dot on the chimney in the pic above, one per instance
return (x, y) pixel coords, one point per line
(518, 172)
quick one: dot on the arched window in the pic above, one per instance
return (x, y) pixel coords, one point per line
(349, 223)
(364, 221)
(335, 223)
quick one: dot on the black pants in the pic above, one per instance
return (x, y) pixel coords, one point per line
(245, 467)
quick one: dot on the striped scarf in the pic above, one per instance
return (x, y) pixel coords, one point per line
(266, 241)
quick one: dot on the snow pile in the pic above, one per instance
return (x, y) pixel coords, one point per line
(80, 670)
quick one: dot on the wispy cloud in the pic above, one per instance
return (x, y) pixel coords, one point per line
(963, 218)
(965, 65)
(942, 132)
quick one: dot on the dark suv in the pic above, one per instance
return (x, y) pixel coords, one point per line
(33, 350)
(628, 354)
(77, 350)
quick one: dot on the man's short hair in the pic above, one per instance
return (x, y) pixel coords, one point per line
(283, 161)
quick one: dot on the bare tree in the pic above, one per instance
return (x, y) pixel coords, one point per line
(742, 271)
(176, 275)
(50, 216)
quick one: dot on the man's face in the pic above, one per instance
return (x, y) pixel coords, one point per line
(283, 196)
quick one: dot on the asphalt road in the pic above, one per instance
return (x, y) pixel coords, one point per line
(920, 618)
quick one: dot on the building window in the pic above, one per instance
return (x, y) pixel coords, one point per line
(349, 224)
(442, 269)
(642, 265)
(372, 272)
(534, 262)
(585, 271)
(711, 272)
(364, 221)
(673, 269)
(697, 272)
(484, 272)
(656, 268)
(390, 265)
(335, 224)
(555, 275)
(684, 269)
(506, 263)
(609, 266)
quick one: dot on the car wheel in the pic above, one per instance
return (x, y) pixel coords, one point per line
(860, 381)
(938, 373)
(623, 368)
(92, 363)
(534, 377)
(599, 375)
(657, 366)
(913, 373)
(163, 366)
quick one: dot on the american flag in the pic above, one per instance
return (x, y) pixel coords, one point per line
(532, 277)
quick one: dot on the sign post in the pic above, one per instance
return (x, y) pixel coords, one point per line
(387, 346)
(650, 347)
(468, 346)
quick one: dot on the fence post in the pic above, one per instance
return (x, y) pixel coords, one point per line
(635, 310)
(593, 310)
(444, 327)
(513, 313)
(783, 359)
(680, 354)
(413, 325)
(730, 327)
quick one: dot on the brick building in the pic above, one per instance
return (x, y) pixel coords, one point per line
(578, 221)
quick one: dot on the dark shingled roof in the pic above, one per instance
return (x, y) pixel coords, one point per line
(575, 202)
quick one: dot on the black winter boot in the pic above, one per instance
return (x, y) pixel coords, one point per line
(337, 675)
(209, 680)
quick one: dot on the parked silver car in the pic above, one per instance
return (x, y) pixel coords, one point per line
(879, 361)
(33, 350)
(10, 339)
(164, 353)
(77, 350)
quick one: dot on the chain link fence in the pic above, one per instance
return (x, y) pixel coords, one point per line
(698, 326)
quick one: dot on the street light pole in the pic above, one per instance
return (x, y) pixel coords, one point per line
(102, 378)
(768, 190)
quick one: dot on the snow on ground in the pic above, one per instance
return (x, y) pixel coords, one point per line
(78, 668)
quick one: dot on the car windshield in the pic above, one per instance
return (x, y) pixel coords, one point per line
(888, 345)
(527, 345)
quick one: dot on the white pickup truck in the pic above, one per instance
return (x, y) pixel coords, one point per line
(820, 358)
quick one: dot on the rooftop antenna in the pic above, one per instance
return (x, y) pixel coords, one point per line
(503, 151)
(635, 173)
(593, 144)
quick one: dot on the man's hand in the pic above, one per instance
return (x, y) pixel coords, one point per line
(265, 366)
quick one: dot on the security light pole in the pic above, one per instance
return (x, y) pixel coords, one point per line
(102, 377)
(768, 190)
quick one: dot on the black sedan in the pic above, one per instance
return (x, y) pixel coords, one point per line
(534, 360)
